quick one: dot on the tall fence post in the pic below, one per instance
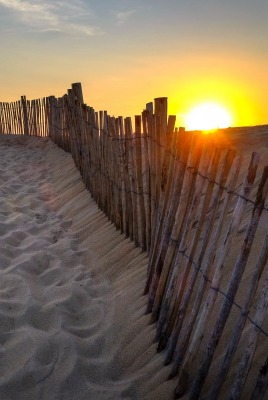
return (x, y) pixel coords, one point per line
(78, 93)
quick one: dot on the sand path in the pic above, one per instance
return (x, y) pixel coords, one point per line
(72, 322)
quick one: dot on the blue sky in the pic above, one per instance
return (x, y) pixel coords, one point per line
(127, 52)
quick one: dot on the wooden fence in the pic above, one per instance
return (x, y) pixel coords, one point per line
(179, 196)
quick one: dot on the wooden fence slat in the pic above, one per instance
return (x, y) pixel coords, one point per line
(78, 93)
(3, 122)
(38, 117)
(25, 116)
(121, 182)
(16, 118)
(6, 118)
(30, 117)
(98, 139)
(111, 168)
(147, 176)
(140, 187)
(128, 207)
(103, 128)
(34, 118)
(160, 144)
(132, 179)
(115, 174)
(18, 131)
(12, 117)
(153, 170)
(9, 119)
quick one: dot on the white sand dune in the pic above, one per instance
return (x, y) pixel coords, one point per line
(72, 323)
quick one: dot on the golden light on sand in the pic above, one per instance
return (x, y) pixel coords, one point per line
(207, 116)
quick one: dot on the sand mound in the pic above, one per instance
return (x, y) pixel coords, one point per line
(72, 322)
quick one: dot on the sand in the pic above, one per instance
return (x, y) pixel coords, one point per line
(72, 310)
(71, 306)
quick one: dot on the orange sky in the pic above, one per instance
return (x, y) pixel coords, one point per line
(126, 53)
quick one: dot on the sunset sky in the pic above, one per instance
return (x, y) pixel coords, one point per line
(127, 52)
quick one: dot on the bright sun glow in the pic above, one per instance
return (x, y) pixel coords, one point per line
(207, 116)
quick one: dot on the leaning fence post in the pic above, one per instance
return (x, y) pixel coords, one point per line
(25, 115)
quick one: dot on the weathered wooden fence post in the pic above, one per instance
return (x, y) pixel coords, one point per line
(140, 186)
(25, 115)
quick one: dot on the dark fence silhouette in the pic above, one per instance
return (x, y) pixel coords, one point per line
(180, 197)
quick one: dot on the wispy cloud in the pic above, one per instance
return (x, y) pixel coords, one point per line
(123, 16)
(62, 16)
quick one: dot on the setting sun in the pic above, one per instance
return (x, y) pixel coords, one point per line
(207, 116)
